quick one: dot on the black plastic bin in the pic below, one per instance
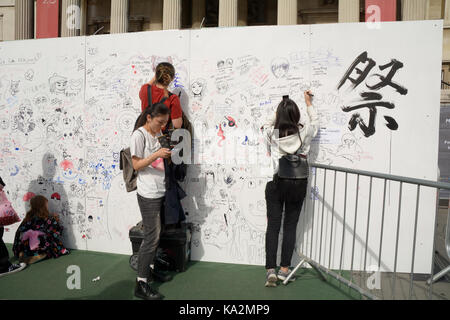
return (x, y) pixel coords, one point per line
(174, 250)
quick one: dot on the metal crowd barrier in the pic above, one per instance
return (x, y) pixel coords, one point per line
(306, 254)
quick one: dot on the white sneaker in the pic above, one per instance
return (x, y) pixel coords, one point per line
(271, 278)
(283, 275)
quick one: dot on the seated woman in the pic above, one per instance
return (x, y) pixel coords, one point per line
(39, 235)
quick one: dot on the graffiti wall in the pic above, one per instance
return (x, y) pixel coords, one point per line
(68, 107)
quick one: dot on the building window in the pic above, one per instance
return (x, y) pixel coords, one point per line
(318, 11)
(256, 12)
(212, 13)
(138, 15)
(98, 17)
(186, 14)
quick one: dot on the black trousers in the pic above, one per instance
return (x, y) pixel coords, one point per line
(4, 255)
(290, 195)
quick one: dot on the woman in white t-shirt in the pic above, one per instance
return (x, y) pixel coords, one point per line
(147, 156)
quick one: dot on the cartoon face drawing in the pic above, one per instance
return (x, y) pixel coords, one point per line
(69, 174)
(256, 113)
(197, 87)
(40, 101)
(58, 84)
(280, 67)
(349, 149)
(348, 140)
(222, 86)
(23, 120)
(67, 121)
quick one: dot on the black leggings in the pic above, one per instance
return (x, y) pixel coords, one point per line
(4, 255)
(290, 194)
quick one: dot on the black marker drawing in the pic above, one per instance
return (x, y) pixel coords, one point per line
(40, 101)
(58, 84)
(29, 75)
(23, 120)
(4, 122)
(14, 89)
(280, 67)
(198, 88)
(222, 86)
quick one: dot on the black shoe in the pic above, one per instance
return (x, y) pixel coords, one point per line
(13, 268)
(144, 291)
(160, 276)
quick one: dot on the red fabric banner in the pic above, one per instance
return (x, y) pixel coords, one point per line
(47, 19)
(381, 10)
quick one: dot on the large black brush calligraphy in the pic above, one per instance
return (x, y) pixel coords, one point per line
(371, 100)
(361, 59)
(387, 81)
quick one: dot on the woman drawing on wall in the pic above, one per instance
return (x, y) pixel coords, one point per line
(286, 136)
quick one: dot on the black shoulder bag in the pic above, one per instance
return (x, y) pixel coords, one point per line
(294, 166)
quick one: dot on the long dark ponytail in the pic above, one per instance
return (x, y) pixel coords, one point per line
(287, 118)
(155, 110)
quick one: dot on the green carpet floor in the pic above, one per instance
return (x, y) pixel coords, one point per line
(201, 281)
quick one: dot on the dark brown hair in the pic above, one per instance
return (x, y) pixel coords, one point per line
(287, 118)
(164, 73)
(38, 208)
(157, 109)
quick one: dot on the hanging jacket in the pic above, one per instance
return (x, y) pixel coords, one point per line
(173, 210)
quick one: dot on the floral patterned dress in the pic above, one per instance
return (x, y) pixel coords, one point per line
(46, 238)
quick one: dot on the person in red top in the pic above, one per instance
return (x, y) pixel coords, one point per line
(164, 75)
